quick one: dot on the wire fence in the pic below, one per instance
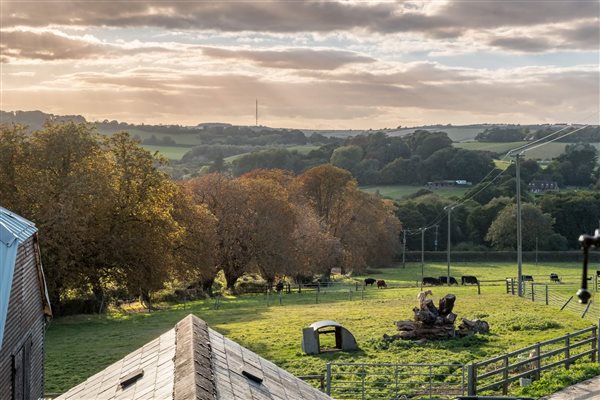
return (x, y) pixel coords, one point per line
(350, 381)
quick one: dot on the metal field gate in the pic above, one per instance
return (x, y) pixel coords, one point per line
(379, 381)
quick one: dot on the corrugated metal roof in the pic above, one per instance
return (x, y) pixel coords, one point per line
(17, 225)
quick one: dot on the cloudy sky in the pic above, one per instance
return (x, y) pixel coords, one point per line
(311, 64)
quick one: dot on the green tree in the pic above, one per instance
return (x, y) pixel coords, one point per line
(535, 224)
(347, 157)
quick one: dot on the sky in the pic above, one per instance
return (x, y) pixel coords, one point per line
(311, 64)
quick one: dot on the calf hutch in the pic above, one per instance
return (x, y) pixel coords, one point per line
(24, 307)
(193, 362)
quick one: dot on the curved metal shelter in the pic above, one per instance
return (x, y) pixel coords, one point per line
(344, 340)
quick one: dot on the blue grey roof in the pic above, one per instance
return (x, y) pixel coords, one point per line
(13, 225)
(321, 324)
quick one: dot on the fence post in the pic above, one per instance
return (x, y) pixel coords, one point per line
(317, 295)
(598, 341)
(512, 285)
(546, 294)
(471, 379)
(532, 292)
(478, 288)
(280, 303)
(567, 350)
(507, 291)
(594, 342)
(357, 286)
(538, 361)
(328, 381)
(505, 376)
(362, 294)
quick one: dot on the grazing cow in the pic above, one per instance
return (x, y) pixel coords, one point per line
(421, 297)
(554, 277)
(468, 279)
(527, 278)
(369, 281)
(444, 280)
(381, 284)
(429, 280)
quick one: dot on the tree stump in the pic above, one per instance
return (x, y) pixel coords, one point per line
(431, 322)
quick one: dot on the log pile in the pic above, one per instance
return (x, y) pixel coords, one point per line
(431, 322)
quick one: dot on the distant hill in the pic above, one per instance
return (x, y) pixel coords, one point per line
(187, 135)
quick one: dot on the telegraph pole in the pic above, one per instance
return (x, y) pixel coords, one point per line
(436, 238)
(448, 245)
(422, 253)
(519, 238)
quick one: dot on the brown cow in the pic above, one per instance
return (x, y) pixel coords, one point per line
(381, 284)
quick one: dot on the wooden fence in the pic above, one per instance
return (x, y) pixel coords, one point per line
(499, 372)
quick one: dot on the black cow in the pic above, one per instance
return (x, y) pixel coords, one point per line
(554, 277)
(444, 280)
(381, 284)
(468, 279)
(527, 278)
(370, 281)
(429, 280)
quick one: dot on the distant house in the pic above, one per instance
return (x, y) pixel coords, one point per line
(24, 307)
(538, 186)
(447, 184)
(190, 362)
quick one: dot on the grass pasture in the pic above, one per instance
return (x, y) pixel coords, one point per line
(170, 152)
(79, 346)
(397, 192)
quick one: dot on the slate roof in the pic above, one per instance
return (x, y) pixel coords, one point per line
(194, 362)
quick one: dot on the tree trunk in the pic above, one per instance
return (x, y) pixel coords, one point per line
(231, 277)
(206, 285)
(145, 299)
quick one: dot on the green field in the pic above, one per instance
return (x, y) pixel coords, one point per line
(170, 152)
(79, 346)
(302, 149)
(396, 192)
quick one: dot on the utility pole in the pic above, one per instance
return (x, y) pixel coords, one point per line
(519, 239)
(404, 248)
(422, 253)
(448, 245)
(436, 238)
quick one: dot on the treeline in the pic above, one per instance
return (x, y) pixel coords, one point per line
(376, 158)
(590, 134)
(552, 221)
(112, 224)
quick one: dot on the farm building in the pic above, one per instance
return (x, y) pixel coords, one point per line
(448, 184)
(192, 361)
(24, 307)
(537, 186)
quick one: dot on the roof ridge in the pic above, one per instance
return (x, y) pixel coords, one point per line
(193, 377)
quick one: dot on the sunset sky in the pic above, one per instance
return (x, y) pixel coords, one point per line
(311, 64)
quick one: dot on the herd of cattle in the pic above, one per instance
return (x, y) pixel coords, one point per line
(428, 280)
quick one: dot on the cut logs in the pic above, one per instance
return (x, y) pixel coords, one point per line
(431, 322)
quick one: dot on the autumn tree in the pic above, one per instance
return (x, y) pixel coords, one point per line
(142, 227)
(194, 249)
(228, 202)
